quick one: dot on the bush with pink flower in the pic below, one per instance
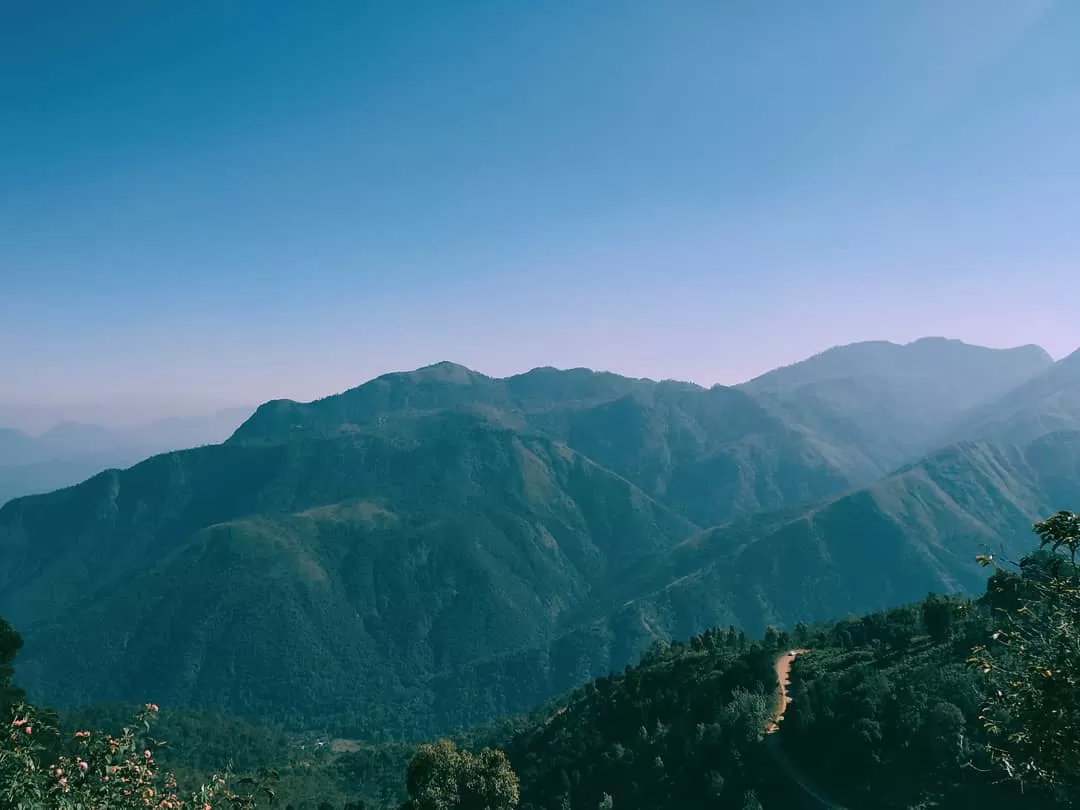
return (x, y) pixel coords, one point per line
(93, 770)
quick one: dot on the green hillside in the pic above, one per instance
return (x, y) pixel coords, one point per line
(915, 531)
(340, 571)
(712, 454)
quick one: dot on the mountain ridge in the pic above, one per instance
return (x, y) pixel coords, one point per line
(411, 546)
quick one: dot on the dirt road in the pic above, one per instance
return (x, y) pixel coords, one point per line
(783, 677)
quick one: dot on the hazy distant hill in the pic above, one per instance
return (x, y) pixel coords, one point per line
(893, 401)
(71, 452)
(1044, 404)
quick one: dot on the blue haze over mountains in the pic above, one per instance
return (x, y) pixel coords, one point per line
(69, 452)
(430, 535)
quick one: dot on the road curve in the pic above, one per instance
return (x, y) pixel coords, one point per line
(783, 677)
(772, 742)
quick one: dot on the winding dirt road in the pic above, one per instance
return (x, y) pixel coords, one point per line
(783, 677)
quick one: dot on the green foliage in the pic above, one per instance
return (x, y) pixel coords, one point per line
(10, 644)
(681, 729)
(94, 770)
(1032, 665)
(883, 716)
(442, 777)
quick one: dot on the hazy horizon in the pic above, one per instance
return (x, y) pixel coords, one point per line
(144, 407)
(206, 207)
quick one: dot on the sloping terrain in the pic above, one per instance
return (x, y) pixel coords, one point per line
(712, 454)
(916, 531)
(295, 577)
(892, 401)
(1045, 404)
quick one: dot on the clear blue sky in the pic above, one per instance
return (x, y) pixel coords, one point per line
(235, 201)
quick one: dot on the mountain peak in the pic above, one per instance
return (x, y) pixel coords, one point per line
(446, 371)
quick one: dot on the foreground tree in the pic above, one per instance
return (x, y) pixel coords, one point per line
(10, 644)
(442, 777)
(39, 769)
(1032, 663)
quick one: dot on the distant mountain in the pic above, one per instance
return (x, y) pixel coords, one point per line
(16, 447)
(894, 401)
(1047, 403)
(70, 452)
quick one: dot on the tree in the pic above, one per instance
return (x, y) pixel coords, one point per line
(937, 614)
(944, 729)
(100, 770)
(442, 777)
(10, 644)
(1032, 663)
(802, 634)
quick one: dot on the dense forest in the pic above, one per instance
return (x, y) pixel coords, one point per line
(947, 703)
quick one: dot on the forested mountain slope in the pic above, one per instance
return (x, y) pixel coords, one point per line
(290, 578)
(711, 454)
(915, 531)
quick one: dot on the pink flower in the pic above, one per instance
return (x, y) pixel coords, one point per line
(28, 729)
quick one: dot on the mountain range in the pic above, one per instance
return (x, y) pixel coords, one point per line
(438, 547)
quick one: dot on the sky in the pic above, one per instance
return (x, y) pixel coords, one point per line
(206, 204)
